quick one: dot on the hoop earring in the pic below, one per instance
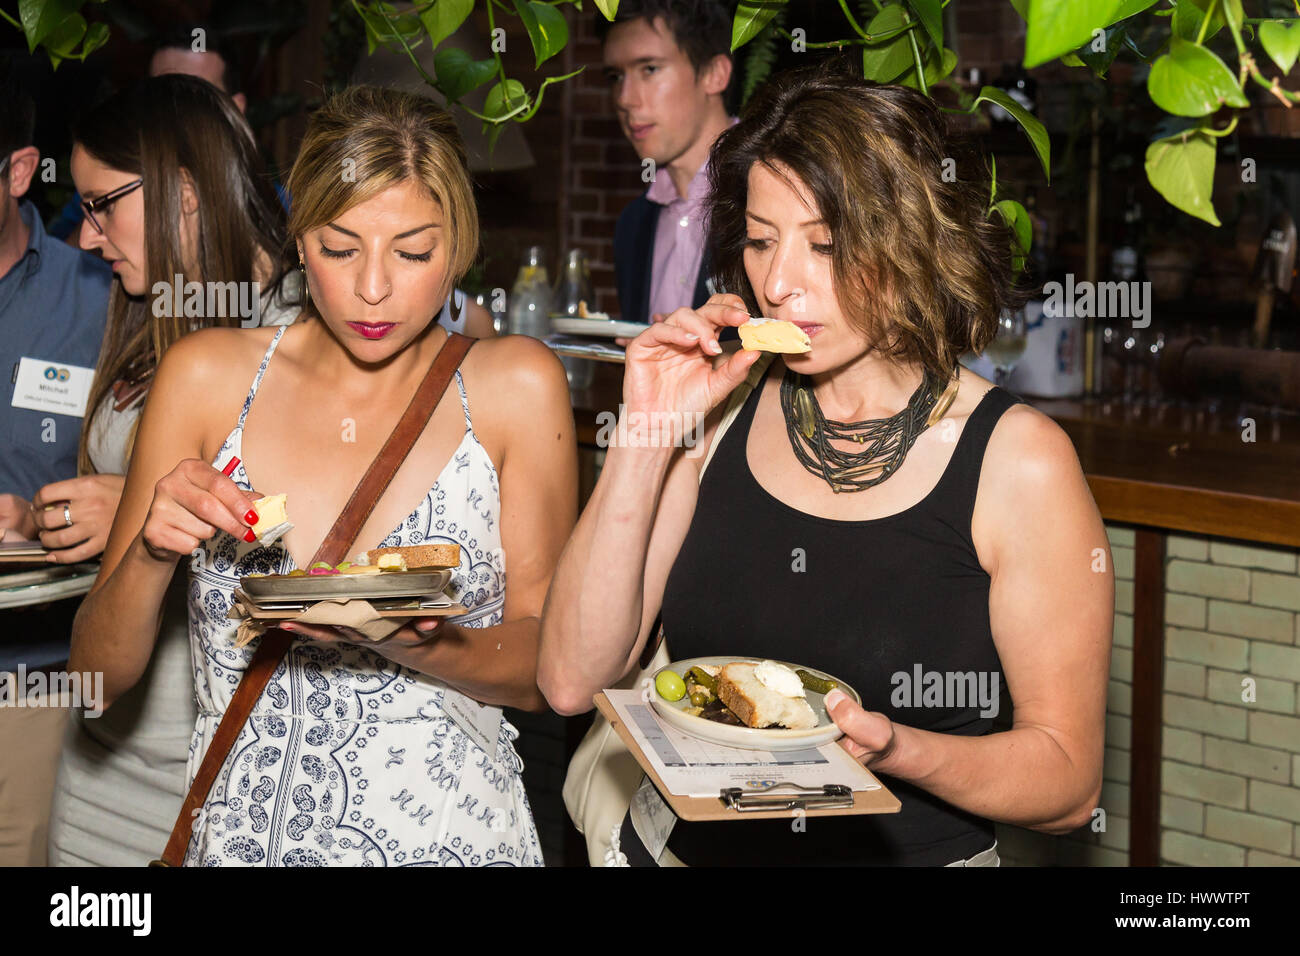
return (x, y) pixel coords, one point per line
(306, 292)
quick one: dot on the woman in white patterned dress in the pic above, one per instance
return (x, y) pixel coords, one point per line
(355, 753)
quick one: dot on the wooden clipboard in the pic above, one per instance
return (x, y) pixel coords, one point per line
(712, 808)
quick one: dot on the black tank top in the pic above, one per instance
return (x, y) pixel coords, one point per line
(903, 593)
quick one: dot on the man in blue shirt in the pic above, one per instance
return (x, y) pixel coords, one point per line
(53, 304)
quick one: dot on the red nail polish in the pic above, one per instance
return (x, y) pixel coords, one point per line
(249, 536)
(251, 517)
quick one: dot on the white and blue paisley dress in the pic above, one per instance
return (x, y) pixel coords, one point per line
(349, 759)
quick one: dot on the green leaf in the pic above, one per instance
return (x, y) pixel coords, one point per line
(40, 18)
(505, 99)
(458, 72)
(386, 27)
(1281, 41)
(1188, 14)
(546, 28)
(886, 61)
(1022, 8)
(63, 39)
(1192, 81)
(1181, 168)
(1058, 26)
(1022, 229)
(608, 7)
(1100, 62)
(445, 17)
(1071, 59)
(930, 13)
(1035, 130)
(1129, 8)
(751, 17)
(96, 37)
(936, 68)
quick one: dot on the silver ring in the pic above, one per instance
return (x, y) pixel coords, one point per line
(67, 514)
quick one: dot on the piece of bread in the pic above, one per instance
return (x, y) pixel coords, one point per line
(756, 705)
(774, 335)
(585, 313)
(422, 555)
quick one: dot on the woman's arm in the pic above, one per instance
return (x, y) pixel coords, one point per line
(538, 475)
(1051, 610)
(167, 510)
(609, 585)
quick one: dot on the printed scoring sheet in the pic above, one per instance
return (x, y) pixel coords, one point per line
(691, 767)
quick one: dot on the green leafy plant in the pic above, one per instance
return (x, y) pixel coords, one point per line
(903, 42)
(58, 27)
(456, 72)
(900, 41)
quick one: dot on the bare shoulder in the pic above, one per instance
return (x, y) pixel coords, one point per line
(212, 359)
(1032, 451)
(516, 366)
(205, 375)
(1030, 487)
(517, 389)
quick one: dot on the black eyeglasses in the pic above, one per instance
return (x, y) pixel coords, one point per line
(106, 200)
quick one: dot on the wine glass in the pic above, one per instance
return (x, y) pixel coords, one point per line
(1008, 344)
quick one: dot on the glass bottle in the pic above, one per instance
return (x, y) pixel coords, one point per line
(574, 286)
(530, 299)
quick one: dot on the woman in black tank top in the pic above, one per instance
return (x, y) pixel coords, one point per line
(957, 539)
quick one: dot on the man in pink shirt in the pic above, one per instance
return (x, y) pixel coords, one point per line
(669, 66)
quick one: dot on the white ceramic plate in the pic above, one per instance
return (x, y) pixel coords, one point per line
(601, 328)
(674, 713)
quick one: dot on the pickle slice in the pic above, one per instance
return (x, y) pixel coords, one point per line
(817, 685)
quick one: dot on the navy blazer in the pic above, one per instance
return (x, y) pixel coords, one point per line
(634, 249)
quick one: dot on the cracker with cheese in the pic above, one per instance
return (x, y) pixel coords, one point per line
(774, 335)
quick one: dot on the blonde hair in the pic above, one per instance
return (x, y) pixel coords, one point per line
(366, 139)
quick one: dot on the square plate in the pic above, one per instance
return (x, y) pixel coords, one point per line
(282, 588)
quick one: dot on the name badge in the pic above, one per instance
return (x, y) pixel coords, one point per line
(482, 722)
(52, 387)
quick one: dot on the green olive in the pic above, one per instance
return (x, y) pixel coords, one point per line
(670, 686)
(699, 698)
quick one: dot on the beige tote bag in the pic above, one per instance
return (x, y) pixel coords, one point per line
(603, 776)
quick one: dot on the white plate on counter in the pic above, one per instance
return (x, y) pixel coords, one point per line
(600, 328)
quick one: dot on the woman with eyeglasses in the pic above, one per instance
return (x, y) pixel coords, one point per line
(174, 192)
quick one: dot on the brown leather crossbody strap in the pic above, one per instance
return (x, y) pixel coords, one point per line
(275, 642)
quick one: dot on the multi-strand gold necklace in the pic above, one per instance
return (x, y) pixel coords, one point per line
(886, 440)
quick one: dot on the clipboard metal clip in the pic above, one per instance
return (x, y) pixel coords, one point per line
(831, 796)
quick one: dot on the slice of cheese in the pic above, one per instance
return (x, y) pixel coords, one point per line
(271, 511)
(774, 335)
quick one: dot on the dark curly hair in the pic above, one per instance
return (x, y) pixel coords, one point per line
(918, 265)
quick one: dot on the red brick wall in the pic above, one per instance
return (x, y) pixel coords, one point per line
(603, 172)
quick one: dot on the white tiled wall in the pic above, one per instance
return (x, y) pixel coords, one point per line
(1230, 779)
